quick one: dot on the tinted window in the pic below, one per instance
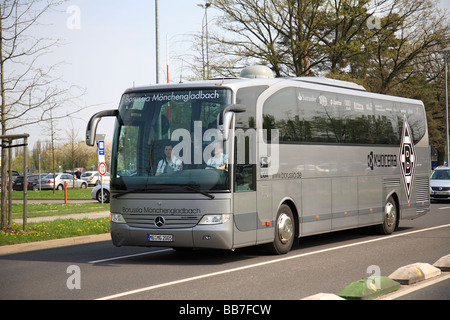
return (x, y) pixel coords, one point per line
(281, 112)
(245, 141)
(248, 98)
(303, 115)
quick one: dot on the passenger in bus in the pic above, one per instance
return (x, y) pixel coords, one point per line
(220, 160)
(169, 163)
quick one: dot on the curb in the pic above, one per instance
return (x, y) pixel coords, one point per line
(415, 272)
(50, 244)
(406, 275)
(369, 288)
(324, 296)
(443, 263)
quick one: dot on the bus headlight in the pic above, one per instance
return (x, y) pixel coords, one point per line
(215, 218)
(117, 218)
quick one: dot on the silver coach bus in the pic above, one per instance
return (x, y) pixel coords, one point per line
(228, 163)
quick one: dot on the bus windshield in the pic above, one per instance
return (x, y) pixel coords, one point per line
(167, 141)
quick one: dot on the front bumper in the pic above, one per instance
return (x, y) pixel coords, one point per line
(440, 195)
(218, 236)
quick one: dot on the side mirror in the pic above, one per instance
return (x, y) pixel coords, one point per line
(225, 116)
(93, 123)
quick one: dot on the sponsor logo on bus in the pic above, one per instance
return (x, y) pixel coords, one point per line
(407, 157)
(173, 96)
(381, 160)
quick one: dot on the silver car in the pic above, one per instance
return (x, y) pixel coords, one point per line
(48, 181)
(440, 184)
(93, 177)
(96, 193)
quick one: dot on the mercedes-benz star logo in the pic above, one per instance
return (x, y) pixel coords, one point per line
(159, 221)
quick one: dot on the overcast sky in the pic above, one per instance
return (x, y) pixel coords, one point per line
(110, 46)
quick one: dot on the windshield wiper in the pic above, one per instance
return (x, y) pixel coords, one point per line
(198, 191)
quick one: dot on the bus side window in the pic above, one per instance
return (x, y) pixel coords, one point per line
(245, 141)
(245, 168)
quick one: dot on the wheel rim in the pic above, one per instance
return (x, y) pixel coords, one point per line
(105, 196)
(285, 230)
(391, 214)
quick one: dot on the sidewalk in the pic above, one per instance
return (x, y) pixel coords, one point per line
(40, 245)
(92, 215)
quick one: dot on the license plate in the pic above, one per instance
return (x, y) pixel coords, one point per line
(160, 237)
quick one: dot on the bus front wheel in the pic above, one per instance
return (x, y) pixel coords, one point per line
(390, 218)
(284, 231)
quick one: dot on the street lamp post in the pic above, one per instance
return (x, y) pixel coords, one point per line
(446, 107)
(205, 65)
(157, 39)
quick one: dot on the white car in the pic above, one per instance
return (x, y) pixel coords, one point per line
(440, 184)
(93, 177)
(96, 193)
(48, 181)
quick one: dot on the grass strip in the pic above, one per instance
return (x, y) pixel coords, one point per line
(56, 229)
(59, 194)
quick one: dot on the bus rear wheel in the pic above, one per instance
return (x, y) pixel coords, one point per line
(390, 217)
(284, 231)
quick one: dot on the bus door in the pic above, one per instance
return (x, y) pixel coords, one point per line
(245, 201)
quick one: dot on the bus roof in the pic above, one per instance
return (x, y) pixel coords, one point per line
(332, 82)
(317, 83)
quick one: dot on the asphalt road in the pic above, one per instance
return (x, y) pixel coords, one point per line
(324, 263)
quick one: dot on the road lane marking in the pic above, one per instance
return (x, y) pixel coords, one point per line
(213, 274)
(443, 208)
(129, 256)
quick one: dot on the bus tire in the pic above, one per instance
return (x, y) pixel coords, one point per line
(390, 217)
(284, 231)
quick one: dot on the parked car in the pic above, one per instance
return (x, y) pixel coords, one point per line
(48, 181)
(440, 184)
(32, 182)
(93, 177)
(15, 174)
(96, 193)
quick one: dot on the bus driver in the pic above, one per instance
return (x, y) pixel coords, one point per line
(169, 163)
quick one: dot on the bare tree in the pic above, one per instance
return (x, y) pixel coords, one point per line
(52, 127)
(294, 37)
(375, 40)
(72, 136)
(410, 36)
(30, 92)
(254, 27)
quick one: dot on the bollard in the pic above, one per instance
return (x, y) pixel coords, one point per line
(65, 192)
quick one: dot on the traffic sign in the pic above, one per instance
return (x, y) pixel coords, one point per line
(101, 151)
(102, 168)
(101, 148)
